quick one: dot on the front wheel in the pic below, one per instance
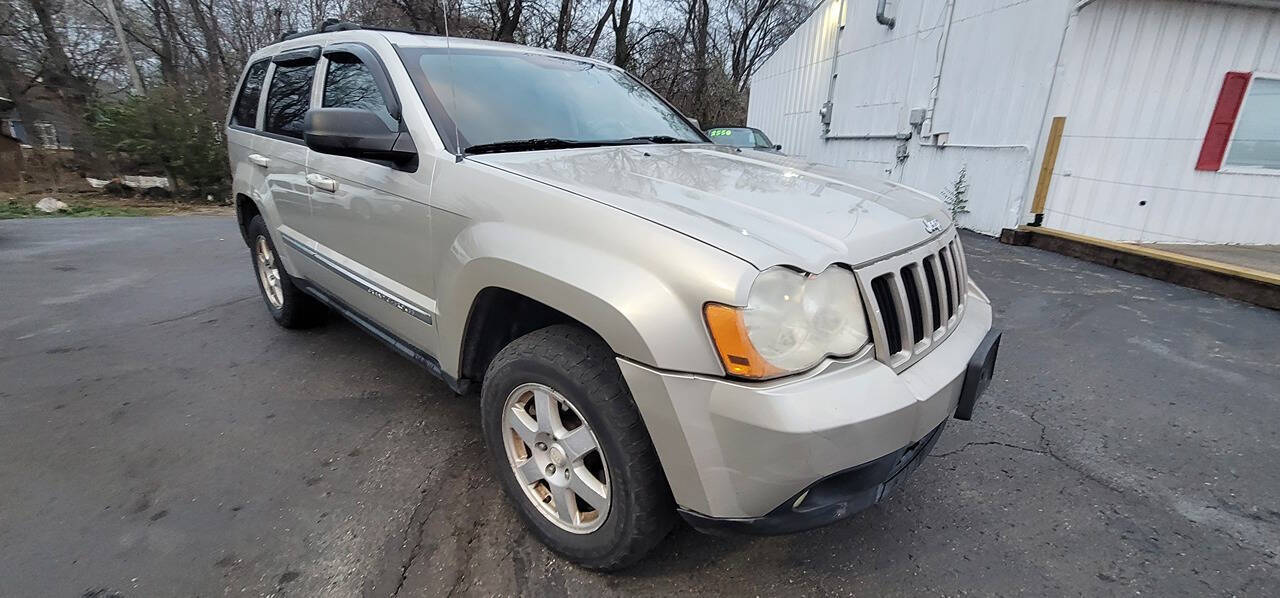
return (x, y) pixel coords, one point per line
(571, 451)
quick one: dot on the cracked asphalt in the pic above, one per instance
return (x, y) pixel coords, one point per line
(159, 436)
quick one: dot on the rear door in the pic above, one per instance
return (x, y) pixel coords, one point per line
(243, 125)
(370, 219)
(282, 154)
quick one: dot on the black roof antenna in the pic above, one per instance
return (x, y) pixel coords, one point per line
(453, 93)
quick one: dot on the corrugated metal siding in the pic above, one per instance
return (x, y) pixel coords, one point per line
(998, 69)
(994, 88)
(1139, 83)
(879, 68)
(789, 89)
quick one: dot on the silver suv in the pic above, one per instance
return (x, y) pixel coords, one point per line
(656, 325)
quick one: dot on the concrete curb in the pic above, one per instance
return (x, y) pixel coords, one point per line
(1237, 282)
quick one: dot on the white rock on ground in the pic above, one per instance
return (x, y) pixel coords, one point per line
(50, 205)
(145, 182)
(137, 182)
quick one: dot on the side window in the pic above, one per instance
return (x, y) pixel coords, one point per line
(350, 84)
(245, 112)
(288, 99)
(1256, 141)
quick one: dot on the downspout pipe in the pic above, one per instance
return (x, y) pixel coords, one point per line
(829, 106)
(926, 128)
(880, 16)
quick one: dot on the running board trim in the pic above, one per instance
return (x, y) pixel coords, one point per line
(397, 344)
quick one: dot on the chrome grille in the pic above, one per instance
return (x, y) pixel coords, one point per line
(915, 299)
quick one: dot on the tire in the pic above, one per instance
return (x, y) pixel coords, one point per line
(580, 368)
(288, 305)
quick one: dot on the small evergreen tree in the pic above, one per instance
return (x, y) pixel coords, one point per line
(956, 197)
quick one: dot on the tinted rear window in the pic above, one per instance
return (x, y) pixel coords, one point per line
(289, 99)
(245, 113)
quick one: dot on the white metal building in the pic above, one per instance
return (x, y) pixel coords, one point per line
(1172, 109)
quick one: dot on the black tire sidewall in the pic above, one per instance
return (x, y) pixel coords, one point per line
(297, 309)
(257, 228)
(590, 548)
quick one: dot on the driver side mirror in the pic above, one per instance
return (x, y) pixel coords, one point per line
(357, 133)
(778, 147)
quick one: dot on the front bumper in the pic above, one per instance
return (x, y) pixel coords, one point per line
(742, 451)
(830, 499)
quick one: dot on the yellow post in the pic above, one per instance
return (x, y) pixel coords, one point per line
(1046, 168)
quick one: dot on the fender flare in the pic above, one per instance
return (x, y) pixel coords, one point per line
(634, 310)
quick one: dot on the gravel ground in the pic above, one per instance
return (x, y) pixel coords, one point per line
(161, 437)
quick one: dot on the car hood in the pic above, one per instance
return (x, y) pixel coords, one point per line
(766, 209)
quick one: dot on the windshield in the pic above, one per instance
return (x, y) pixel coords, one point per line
(498, 97)
(739, 137)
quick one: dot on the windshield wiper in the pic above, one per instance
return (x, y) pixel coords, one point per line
(659, 139)
(543, 143)
(524, 145)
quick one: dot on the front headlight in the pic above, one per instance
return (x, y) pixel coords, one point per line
(791, 322)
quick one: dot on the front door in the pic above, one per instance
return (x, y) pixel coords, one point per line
(370, 220)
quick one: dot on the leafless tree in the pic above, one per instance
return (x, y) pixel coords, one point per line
(60, 59)
(755, 28)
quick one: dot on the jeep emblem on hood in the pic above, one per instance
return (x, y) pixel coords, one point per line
(931, 226)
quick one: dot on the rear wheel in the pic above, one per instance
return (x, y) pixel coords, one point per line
(571, 451)
(288, 305)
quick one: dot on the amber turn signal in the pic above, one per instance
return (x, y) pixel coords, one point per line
(739, 356)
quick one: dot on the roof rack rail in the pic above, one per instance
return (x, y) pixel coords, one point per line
(330, 24)
(397, 30)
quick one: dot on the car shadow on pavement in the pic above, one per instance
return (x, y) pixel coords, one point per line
(459, 531)
(687, 551)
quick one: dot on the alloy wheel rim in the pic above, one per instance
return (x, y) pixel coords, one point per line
(556, 458)
(269, 273)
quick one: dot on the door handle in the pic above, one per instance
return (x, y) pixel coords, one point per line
(260, 160)
(322, 182)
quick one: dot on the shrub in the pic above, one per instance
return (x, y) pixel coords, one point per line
(166, 132)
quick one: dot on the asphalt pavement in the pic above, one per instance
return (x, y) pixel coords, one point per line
(160, 436)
